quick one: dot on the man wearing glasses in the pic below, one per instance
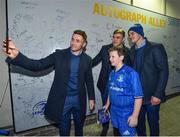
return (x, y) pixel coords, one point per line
(103, 56)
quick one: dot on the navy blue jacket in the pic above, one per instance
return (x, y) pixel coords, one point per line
(103, 56)
(60, 60)
(154, 71)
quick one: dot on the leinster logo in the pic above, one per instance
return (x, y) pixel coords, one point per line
(39, 108)
(120, 78)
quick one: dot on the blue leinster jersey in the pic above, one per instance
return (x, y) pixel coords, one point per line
(124, 87)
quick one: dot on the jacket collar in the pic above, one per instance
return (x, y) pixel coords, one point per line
(146, 50)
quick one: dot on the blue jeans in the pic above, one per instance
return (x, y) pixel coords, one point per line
(104, 96)
(152, 117)
(71, 106)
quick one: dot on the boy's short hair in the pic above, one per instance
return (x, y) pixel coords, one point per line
(120, 51)
(121, 31)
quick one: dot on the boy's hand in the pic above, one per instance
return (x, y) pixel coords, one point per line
(106, 107)
(133, 121)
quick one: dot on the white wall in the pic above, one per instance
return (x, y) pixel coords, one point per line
(5, 109)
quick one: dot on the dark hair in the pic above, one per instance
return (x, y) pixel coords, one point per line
(120, 51)
(121, 31)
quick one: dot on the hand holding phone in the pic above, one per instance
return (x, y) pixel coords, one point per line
(10, 49)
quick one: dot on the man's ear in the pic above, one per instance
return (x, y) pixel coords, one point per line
(122, 57)
(84, 44)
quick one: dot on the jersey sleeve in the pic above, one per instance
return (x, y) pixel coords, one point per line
(136, 85)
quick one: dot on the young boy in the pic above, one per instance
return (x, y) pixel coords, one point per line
(125, 94)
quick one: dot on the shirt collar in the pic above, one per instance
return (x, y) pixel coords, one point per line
(78, 54)
(114, 70)
(141, 45)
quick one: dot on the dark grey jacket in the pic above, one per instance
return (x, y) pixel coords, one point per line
(154, 71)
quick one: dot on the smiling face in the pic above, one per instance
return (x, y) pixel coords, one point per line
(115, 59)
(77, 43)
